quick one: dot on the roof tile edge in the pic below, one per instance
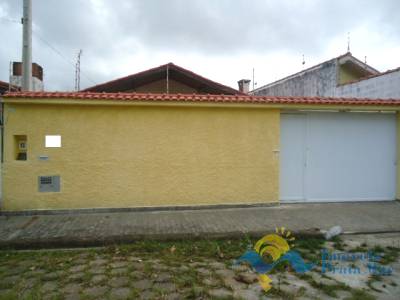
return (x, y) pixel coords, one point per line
(149, 97)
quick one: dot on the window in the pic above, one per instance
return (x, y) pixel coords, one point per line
(46, 180)
(20, 148)
(53, 141)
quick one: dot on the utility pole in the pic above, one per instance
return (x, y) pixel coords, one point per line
(27, 46)
(78, 72)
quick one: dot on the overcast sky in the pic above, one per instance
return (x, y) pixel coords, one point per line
(219, 39)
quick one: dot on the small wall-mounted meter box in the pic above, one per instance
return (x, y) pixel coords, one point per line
(22, 145)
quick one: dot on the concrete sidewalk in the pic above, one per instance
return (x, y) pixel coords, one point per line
(93, 229)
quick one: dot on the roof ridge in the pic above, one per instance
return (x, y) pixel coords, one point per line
(125, 77)
(160, 68)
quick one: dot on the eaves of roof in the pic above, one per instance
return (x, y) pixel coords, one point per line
(89, 97)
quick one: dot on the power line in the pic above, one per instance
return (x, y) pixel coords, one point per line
(44, 41)
(10, 20)
(60, 54)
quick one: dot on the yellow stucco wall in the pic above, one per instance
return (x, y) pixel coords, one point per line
(129, 156)
(348, 74)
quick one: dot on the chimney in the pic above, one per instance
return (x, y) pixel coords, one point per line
(244, 85)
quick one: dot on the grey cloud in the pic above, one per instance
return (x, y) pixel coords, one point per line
(236, 26)
(207, 28)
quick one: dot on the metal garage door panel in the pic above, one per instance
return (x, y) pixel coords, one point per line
(292, 157)
(338, 157)
(350, 157)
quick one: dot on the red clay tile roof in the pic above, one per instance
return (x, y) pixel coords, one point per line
(178, 73)
(4, 86)
(242, 99)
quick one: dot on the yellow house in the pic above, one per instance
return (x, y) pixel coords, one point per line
(118, 150)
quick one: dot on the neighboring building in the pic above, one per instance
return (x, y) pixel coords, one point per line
(5, 87)
(37, 76)
(168, 78)
(102, 150)
(343, 76)
(384, 85)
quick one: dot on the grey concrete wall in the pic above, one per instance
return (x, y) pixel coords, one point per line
(319, 81)
(384, 87)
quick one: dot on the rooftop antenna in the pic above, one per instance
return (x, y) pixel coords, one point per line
(365, 59)
(167, 79)
(27, 46)
(78, 72)
(303, 62)
(10, 76)
(348, 42)
(253, 79)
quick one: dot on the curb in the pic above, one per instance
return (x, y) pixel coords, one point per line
(89, 242)
(80, 211)
(86, 242)
(73, 242)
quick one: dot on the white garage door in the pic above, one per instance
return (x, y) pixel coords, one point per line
(338, 157)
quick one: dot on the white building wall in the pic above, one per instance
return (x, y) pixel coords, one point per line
(37, 84)
(384, 86)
